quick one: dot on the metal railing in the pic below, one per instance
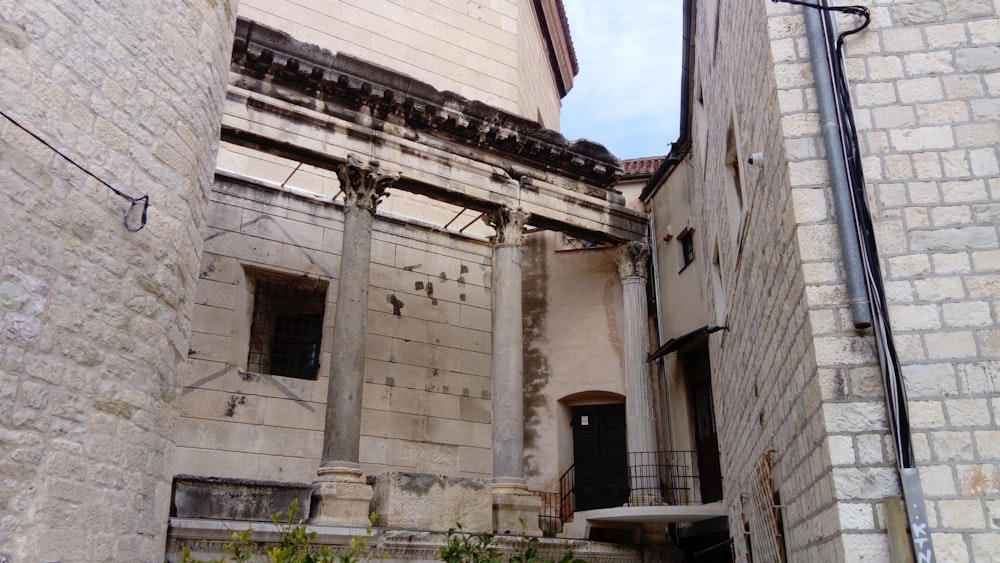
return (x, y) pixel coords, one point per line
(655, 478)
(550, 517)
(669, 477)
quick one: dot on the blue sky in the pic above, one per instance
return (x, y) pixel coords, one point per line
(627, 94)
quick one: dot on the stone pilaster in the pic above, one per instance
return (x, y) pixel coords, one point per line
(340, 495)
(632, 259)
(512, 503)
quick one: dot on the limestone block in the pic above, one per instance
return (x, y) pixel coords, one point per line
(852, 417)
(926, 414)
(461, 338)
(293, 413)
(983, 286)
(425, 355)
(340, 497)
(929, 380)
(961, 513)
(413, 401)
(236, 407)
(952, 446)
(841, 450)
(922, 138)
(235, 499)
(921, 89)
(866, 547)
(914, 317)
(475, 460)
(516, 513)
(988, 443)
(985, 546)
(967, 412)
(476, 318)
(856, 516)
(951, 263)
(955, 344)
(428, 501)
(424, 456)
(871, 483)
(937, 480)
(979, 480)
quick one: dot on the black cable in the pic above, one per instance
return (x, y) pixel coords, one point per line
(133, 201)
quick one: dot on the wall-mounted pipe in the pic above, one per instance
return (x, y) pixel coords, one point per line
(835, 160)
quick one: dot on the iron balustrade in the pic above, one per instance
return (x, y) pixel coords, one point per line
(655, 479)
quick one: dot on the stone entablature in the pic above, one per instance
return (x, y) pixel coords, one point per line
(324, 81)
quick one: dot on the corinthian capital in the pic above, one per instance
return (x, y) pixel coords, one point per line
(508, 223)
(364, 185)
(632, 258)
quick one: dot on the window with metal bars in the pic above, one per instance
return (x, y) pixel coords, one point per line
(286, 332)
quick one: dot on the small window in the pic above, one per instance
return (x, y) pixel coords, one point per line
(287, 329)
(686, 238)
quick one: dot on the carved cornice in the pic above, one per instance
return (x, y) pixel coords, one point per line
(313, 77)
(509, 225)
(364, 185)
(632, 258)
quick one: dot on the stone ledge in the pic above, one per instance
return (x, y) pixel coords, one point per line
(229, 498)
(206, 539)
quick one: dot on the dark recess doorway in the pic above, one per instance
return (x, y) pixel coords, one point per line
(599, 456)
(696, 364)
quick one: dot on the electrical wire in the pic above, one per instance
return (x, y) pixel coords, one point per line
(133, 201)
(889, 364)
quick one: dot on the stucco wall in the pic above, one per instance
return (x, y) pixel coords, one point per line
(95, 320)
(573, 350)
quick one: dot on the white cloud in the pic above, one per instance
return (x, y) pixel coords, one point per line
(627, 94)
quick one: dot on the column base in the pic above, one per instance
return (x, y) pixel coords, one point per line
(340, 497)
(515, 510)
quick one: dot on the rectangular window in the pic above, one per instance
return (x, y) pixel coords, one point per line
(286, 332)
(686, 238)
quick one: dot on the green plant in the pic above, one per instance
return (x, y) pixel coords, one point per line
(461, 547)
(296, 544)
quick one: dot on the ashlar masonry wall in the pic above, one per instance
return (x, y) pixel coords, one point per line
(765, 383)
(427, 397)
(487, 51)
(925, 80)
(94, 320)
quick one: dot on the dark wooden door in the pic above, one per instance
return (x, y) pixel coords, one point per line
(707, 443)
(599, 456)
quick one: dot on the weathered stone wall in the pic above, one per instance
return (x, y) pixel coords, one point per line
(925, 84)
(427, 403)
(573, 349)
(537, 89)
(682, 296)
(472, 48)
(764, 380)
(95, 320)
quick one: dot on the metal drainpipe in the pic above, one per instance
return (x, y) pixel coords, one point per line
(664, 376)
(835, 161)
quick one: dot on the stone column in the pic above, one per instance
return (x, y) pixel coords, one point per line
(512, 502)
(340, 495)
(641, 425)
